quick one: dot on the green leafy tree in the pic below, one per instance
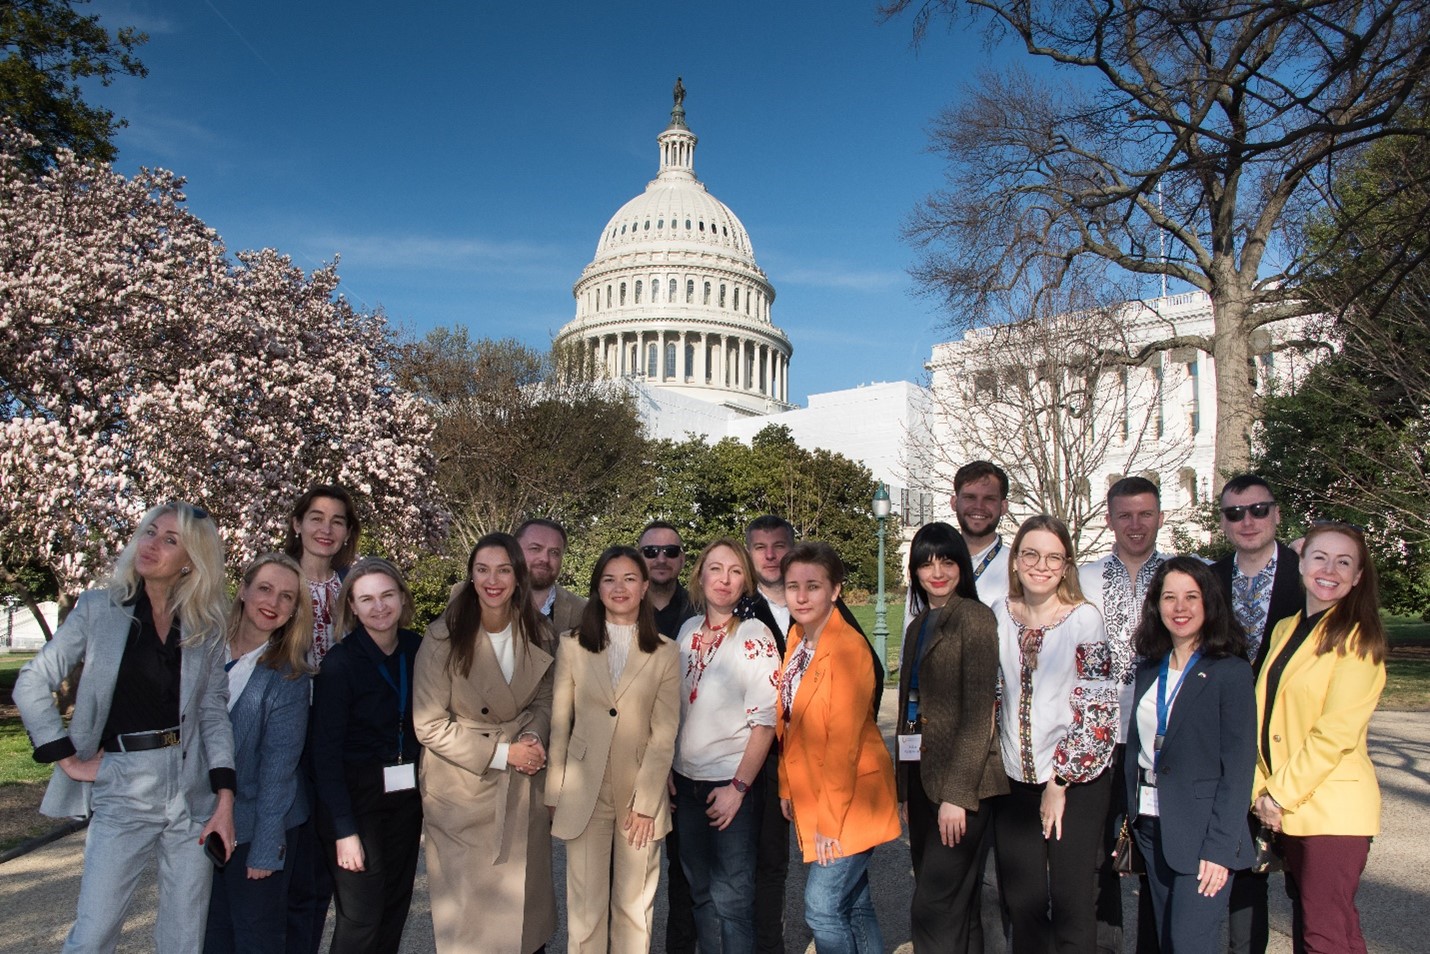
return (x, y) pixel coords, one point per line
(49, 48)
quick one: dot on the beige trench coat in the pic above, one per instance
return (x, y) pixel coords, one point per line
(488, 835)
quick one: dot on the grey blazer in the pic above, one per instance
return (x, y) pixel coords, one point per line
(96, 631)
(270, 724)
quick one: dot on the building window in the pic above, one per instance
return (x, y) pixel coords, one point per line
(670, 360)
(1188, 479)
(672, 291)
(1157, 382)
(689, 362)
(687, 225)
(646, 227)
(1194, 407)
(660, 223)
(707, 294)
(608, 296)
(1124, 380)
(722, 294)
(652, 368)
(655, 291)
(702, 226)
(638, 291)
(623, 293)
(737, 297)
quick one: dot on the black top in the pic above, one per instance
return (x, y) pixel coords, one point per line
(146, 688)
(354, 725)
(1275, 668)
(669, 620)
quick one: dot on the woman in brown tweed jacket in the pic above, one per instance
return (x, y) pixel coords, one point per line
(949, 764)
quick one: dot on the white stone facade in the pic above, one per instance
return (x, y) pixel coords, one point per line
(674, 297)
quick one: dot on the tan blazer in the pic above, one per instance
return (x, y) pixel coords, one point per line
(628, 730)
(566, 611)
(487, 832)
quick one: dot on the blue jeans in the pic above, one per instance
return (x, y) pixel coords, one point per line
(839, 908)
(720, 865)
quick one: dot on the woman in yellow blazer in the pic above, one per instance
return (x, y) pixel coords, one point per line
(615, 711)
(836, 777)
(1314, 779)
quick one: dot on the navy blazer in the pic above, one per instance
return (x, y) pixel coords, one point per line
(1208, 756)
(270, 724)
(1287, 597)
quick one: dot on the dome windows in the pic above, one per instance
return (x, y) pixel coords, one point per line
(687, 225)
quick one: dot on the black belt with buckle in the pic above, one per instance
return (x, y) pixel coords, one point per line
(142, 741)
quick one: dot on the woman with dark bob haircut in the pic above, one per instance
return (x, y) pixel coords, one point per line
(949, 764)
(615, 711)
(1192, 708)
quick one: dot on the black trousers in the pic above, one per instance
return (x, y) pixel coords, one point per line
(249, 915)
(310, 890)
(372, 904)
(946, 916)
(1050, 884)
(771, 863)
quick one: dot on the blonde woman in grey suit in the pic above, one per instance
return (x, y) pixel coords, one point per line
(152, 647)
(615, 712)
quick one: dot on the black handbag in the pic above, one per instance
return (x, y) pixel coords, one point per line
(1268, 851)
(1126, 859)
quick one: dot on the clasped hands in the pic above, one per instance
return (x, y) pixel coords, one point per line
(526, 755)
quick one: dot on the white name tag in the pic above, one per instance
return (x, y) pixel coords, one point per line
(1147, 801)
(911, 748)
(399, 778)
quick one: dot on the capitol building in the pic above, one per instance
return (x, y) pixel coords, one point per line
(674, 297)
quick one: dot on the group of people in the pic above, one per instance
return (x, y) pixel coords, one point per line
(298, 745)
(1198, 708)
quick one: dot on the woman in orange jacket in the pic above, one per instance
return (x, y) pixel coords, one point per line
(836, 777)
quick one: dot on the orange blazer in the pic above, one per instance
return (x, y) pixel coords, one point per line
(834, 766)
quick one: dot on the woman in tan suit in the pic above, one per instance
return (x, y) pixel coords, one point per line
(482, 708)
(614, 717)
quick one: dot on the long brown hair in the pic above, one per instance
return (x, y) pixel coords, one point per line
(1358, 612)
(592, 632)
(293, 542)
(289, 643)
(463, 615)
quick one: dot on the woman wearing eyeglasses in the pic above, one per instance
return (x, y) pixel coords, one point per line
(1324, 671)
(1057, 725)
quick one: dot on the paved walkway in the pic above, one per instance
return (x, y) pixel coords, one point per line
(38, 891)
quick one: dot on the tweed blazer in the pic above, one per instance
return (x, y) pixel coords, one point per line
(96, 632)
(270, 725)
(627, 729)
(960, 762)
(1206, 761)
(834, 766)
(1320, 770)
(1287, 597)
(566, 611)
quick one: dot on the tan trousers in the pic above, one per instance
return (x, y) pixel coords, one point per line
(610, 886)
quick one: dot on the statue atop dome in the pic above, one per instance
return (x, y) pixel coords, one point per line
(677, 115)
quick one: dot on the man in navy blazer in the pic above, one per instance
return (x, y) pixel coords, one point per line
(1261, 579)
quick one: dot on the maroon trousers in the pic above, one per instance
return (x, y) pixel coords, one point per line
(1322, 876)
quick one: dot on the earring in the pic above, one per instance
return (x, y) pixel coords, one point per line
(186, 571)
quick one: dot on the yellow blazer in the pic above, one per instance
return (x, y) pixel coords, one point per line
(627, 730)
(1320, 773)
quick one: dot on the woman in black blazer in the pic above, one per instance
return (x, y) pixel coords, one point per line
(1193, 733)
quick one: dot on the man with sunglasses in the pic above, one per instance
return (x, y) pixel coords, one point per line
(664, 554)
(1262, 580)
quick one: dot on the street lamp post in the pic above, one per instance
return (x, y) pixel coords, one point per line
(881, 615)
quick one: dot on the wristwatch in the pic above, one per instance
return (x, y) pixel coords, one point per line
(1059, 781)
(740, 786)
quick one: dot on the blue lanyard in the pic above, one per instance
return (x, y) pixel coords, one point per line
(401, 690)
(1164, 708)
(913, 708)
(983, 564)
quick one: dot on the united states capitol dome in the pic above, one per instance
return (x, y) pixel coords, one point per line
(674, 297)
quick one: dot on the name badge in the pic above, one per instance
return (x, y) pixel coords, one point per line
(401, 777)
(911, 747)
(1147, 801)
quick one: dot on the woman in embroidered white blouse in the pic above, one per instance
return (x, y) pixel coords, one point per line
(728, 664)
(1057, 724)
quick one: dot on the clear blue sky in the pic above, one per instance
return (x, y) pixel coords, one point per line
(462, 157)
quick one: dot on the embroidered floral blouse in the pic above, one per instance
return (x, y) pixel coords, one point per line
(727, 686)
(1058, 709)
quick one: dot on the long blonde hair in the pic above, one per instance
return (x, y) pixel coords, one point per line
(199, 596)
(289, 643)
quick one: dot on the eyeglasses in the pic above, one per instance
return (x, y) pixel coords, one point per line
(1257, 510)
(1031, 558)
(669, 550)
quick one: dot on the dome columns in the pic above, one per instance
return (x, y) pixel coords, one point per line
(703, 359)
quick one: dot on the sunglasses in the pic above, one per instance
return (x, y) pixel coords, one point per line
(670, 551)
(199, 512)
(1257, 510)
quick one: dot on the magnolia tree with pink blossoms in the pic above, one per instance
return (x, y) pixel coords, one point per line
(138, 363)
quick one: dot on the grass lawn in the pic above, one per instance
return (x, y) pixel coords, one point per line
(16, 765)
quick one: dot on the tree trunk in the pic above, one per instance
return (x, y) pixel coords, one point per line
(1236, 398)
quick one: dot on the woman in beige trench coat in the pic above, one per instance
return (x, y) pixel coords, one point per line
(482, 708)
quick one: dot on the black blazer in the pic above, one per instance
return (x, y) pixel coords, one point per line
(1287, 598)
(1208, 756)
